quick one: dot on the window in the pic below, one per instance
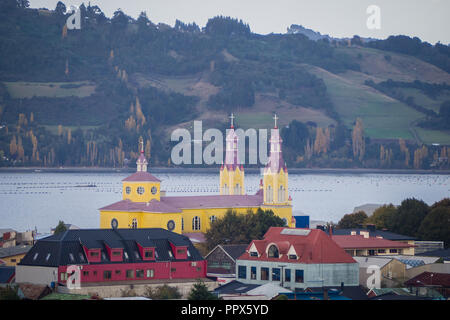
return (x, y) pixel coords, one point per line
(182, 224)
(149, 254)
(14, 260)
(188, 253)
(371, 252)
(116, 253)
(225, 189)
(134, 223)
(275, 274)
(117, 272)
(136, 254)
(126, 255)
(381, 251)
(46, 258)
(139, 273)
(269, 195)
(35, 256)
(285, 221)
(242, 272)
(150, 273)
(127, 190)
(264, 273)
(130, 274)
(173, 269)
(170, 253)
(292, 257)
(85, 273)
(71, 257)
(253, 273)
(299, 276)
(237, 189)
(93, 254)
(253, 254)
(193, 263)
(63, 276)
(196, 223)
(107, 274)
(154, 190)
(81, 256)
(273, 252)
(103, 256)
(95, 273)
(140, 190)
(392, 250)
(287, 275)
(281, 194)
(212, 219)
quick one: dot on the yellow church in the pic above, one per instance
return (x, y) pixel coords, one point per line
(144, 205)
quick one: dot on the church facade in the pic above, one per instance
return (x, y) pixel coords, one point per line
(144, 205)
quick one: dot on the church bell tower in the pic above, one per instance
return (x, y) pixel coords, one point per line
(232, 172)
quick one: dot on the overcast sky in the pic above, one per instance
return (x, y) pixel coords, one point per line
(427, 19)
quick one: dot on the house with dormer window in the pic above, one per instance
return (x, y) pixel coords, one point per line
(297, 259)
(111, 255)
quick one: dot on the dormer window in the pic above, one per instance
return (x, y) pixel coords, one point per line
(170, 254)
(148, 254)
(273, 252)
(253, 254)
(292, 257)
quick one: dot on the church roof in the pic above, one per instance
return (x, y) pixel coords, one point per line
(141, 176)
(175, 204)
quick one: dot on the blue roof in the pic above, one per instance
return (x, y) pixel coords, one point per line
(6, 273)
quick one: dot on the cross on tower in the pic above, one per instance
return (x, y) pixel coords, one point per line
(275, 118)
(232, 118)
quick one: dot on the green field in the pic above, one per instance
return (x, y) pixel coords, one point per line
(433, 136)
(423, 100)
(23, 90)
(383, 117)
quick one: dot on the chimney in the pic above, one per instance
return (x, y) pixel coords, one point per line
(365, 234)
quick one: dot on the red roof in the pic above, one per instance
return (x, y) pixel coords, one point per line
(310, 245)
(359, 242)
(141, 176)
(430, 279)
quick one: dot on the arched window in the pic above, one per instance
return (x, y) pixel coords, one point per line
(281, 193)
(196, 223)
(225, 189)
(273, 252)
(134, 223)
(269, 196)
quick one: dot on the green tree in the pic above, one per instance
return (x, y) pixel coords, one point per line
(436, 224)
(163, 292)
(9, 293)
(409, 216)
(200, 292)
(61, 227)
(241, 228)
(382, 217)
(352, 220)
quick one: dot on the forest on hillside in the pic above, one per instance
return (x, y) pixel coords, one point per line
(99, 105)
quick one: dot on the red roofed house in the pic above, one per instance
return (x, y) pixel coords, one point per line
(297, 259)
(431, 280)
(364, 245)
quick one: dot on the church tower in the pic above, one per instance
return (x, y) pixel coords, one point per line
(232, 172)
(275, 180)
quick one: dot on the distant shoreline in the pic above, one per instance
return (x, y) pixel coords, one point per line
(216, 170)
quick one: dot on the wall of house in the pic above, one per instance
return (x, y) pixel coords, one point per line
(36, 275)
(13, 260)
(139, 289)
(219, 259)
(161, 270)
(315, 275)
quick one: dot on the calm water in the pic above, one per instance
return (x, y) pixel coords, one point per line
(29, 200)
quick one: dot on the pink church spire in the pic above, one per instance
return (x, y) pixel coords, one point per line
(231, 148)
(276, 162)
(141, 161)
